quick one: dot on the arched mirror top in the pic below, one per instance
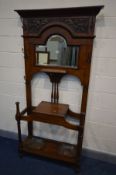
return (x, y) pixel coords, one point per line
(56, 52)
(57, 38)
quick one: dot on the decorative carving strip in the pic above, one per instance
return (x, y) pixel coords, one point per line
(76, 24)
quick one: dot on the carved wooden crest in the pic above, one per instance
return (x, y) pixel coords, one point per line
(74, 24)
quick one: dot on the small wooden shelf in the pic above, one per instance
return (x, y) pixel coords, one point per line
(52, 109)
(49, 148)
(57, 114)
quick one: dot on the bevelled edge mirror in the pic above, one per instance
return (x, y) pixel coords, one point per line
(56, 52)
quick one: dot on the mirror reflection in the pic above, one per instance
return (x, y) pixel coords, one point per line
(56, 52)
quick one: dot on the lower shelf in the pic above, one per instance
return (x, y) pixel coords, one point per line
(49, 148)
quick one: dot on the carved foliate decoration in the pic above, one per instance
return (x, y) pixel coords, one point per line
(74, 24)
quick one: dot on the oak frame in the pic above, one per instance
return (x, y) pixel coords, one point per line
(38, 25)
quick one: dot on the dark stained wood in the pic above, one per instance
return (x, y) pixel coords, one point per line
(74, 11)
(50, 148)
(36, 21)
(76, 25)
(51, 109)
(51, 120)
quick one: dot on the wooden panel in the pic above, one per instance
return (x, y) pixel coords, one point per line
(52, 109)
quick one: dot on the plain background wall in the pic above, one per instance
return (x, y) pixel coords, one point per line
(100, 127)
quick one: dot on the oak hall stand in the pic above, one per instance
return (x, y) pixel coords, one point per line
(57, 42)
